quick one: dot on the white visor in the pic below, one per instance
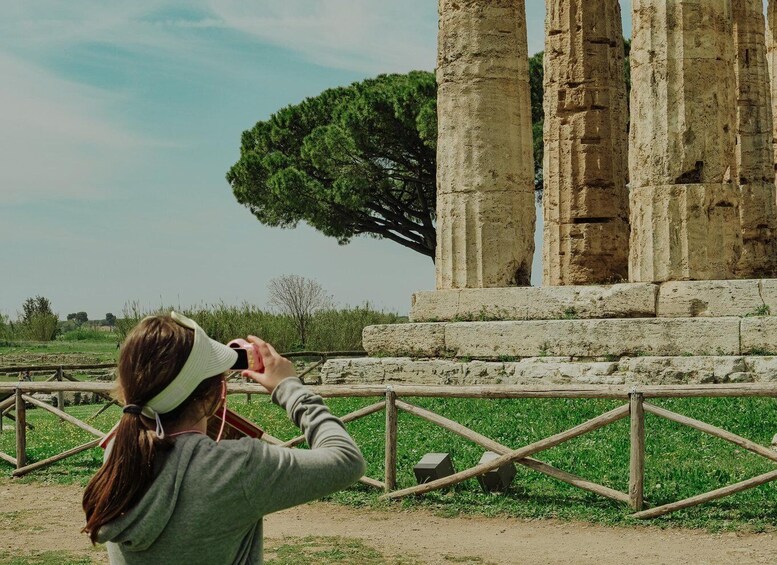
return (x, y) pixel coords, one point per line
(208, 358)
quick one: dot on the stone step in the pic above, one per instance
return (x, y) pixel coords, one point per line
(552, 370)
(681, 299)
(575, 338)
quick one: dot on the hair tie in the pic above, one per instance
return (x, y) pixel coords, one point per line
(132, 409)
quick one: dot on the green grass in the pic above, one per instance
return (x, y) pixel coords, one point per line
(40, 352)
(680, 462)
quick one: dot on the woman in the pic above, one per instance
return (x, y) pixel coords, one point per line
(167, 493)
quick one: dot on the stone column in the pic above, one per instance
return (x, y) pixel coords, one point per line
(684, 205)
(754, 149)
(485, 168)
(585, 200)
(771, 47)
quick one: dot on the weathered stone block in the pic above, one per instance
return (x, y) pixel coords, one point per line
(482, 372)
(586, 252)
(442, 305)
(592, 338)
(349, 371)
(631, 300)
(759, 335)
(679, 370)
(414, 340)
(709, 298)
(428, 371)
(769, 295)
(546, 370)
(399, 370)
(568, 202)
(764, 368)
(606, 301)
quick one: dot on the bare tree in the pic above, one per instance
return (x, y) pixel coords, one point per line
(300, 298)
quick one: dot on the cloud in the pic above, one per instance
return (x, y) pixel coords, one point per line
(56, 137)
(369, 36)
(361, 35)
(49, 23)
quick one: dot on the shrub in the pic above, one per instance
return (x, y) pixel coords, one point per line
(7, 329)
(341, 330)
(85, 334)
(41, 327)
(132, 314)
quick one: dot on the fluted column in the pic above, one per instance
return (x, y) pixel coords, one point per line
(684, 206)
(586, 209)
(771, 47)
(754, 149)
(485, 170)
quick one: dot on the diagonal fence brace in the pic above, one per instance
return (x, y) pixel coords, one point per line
(552, 441)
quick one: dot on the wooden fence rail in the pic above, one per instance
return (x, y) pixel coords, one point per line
(607, 392)
(635, 408)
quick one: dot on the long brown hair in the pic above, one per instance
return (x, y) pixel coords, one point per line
(152, 355)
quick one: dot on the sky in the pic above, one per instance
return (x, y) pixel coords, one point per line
(119, 120)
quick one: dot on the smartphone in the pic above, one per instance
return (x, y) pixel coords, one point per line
(242, 360)
(247, 356)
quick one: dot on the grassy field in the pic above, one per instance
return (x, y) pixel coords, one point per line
(59, 352)
(680, 462)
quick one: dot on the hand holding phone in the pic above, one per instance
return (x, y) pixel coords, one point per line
(274, 367)
(248, 356)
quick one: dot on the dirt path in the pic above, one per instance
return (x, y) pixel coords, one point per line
(48, 517)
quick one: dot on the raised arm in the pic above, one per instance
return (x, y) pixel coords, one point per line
(276, 477)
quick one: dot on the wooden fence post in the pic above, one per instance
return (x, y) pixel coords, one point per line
(391, 440)
(637, 456)
(60, 394)
(21, 430)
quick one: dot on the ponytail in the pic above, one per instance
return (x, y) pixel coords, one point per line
(153, 354)
(125, 476)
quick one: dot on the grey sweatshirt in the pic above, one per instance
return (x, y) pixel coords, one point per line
(207, 501)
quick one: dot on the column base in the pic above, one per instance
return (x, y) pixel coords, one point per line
(684, 232)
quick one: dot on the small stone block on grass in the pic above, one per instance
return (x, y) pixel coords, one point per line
(496, 480)
(433, 466)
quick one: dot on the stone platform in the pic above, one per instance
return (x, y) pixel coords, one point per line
(575, 338)
(628, 300)
(672, 333)
(552, 370)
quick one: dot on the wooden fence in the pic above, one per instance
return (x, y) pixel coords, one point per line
(635, 407)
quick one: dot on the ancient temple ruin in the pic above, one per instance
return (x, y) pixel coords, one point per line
(660, 212)
(700, 202)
